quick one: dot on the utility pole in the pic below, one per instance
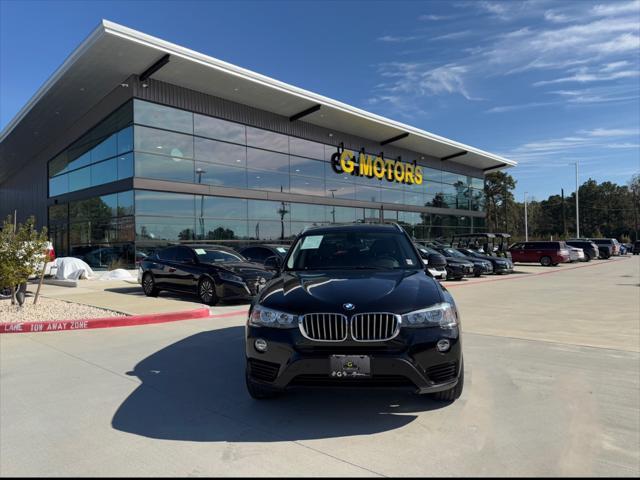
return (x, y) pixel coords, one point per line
(564, 218)
(526, 226)
(504, 202)
(577, 205)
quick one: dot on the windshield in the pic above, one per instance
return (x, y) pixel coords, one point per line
(450, 252)
(353, 250)
(206, 255)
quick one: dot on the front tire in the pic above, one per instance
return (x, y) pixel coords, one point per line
(207, 291)
(454, 393)
(149, 285)
(545, 261)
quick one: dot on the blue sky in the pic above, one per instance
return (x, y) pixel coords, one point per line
(543, 82)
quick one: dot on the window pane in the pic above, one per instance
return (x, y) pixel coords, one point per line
(220, 175)
(166, 143)
(453, 178)
(81, 161)
(368, 194)
(164, 168)
(222, 229)
(105, 149)
(125, 166)
(431, 174)
(265, 160)
(477, 183)
(79, 179)
(125, 203)
(104, 172)
(307, 186)
(220, 152)
(221, 207)
(58, 164)
(58, 185)
(164, 117)
(269, 230)
(164, 203)
(389, 195)
(276, 182)
(306, 148)
(265, 139)
(265, 210)
(340, 190)
(308, 212)
(413, 195)
(125, 140)
(304, 166)
(59, 213)
(341, 214)
(219, 129)
(153, 229)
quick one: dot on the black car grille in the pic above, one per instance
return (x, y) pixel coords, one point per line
(374, 327)
(262, 370)
(443, 372)
(374, 381)
(326, 327)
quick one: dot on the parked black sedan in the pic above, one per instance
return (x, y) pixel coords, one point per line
(478, 266)
(259, 253)
(352, 306)
(211, 272)
(500, 264)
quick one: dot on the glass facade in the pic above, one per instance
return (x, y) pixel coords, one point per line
(147, 140)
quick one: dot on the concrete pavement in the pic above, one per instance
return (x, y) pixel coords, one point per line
(169, 399)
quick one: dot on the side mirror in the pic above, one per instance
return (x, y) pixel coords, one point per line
(273, 263)
(432, 258)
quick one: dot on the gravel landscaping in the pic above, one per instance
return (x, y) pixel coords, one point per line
(50, 309)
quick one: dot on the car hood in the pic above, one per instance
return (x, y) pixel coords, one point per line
(458, 261)
(244, 269)
(378, 291)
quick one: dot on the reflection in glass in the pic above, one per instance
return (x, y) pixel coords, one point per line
(175, 145)
(389, 195)
(340, 190)
(221, 207)
(125, 140)
(105, 149)
(368, 194)
(125, 166)
(308, 212)
(155, 115)
(58, 185)
(220, 152)
(307, 186)
(165, 203)
(262, 209)
(125, 203)
(220, 175)
(150, 229)
(306, 148)
(304, 166)
(79, 179)
(219, 129)
(104, 172)
(268, 140)
(223, 230)
(164, 168)
(264, 160)
(269, 230)
(268, 181)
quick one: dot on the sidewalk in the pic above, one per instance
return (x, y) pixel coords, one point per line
(127, 296)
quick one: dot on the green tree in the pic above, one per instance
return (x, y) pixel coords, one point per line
(21, 254)
(498, 188)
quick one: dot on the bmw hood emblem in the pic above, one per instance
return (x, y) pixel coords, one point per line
(348, 306)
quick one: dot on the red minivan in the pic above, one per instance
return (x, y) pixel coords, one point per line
(545, 253)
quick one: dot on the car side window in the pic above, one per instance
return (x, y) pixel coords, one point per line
(183, 255)
(168, 254)
(532, 246)
(517, 246)
(256, 253)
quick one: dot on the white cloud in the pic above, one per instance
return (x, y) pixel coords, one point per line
(612, 9)
(624, 145)
(612, 132)
(434, 18)
(615, 66)
(523, 106)
(584, 76)
(394, 39)
(552, 16)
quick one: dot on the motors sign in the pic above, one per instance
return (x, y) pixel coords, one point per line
(364, 165)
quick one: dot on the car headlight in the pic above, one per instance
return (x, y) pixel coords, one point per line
(441, 315)
(229, 277)
(265, 317)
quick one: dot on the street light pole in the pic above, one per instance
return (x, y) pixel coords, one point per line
(526, 225)
(577, 205)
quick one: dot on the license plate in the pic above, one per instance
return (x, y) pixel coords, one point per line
(350, 366)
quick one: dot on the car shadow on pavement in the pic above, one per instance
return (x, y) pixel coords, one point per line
(194, 390)
(138, 292)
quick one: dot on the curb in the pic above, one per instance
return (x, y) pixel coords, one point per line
(109, 322)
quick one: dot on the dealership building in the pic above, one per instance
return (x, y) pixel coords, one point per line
(135, 143)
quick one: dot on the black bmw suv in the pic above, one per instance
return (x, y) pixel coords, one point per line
(353, 305)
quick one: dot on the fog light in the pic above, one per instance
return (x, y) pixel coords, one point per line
(261, 345)
(443, 345)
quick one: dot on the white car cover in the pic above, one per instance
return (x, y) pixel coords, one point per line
(117, 274)
(70, 268)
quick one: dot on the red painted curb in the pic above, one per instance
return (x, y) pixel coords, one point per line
(108, 322)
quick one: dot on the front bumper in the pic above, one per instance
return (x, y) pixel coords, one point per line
(410, 360)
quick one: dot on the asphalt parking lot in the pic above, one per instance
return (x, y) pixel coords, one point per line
(552, 366)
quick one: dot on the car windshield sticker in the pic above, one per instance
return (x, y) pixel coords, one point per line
(200, 251)
(409, 261)
(281, 250)
(311, 242)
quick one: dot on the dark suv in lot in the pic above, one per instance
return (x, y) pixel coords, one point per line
(353, 306)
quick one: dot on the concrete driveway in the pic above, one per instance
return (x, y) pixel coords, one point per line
(552, 388)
